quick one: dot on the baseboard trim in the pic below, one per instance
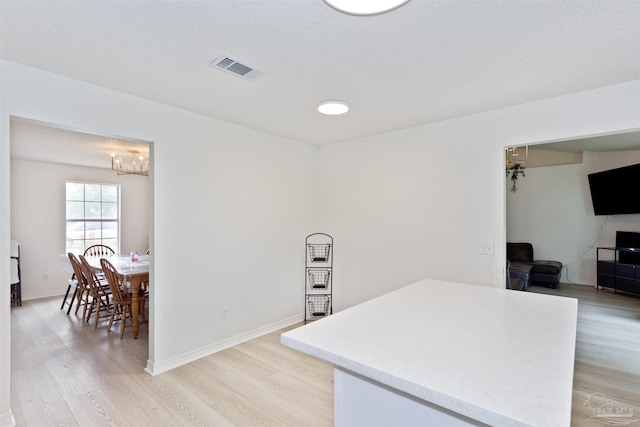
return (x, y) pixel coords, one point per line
(155, 368)
(7, 419)
(27, 297)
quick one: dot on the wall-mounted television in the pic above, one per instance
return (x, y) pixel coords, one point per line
(616, 191)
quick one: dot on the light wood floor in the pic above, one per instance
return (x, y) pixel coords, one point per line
(66, 373)
(607, 350)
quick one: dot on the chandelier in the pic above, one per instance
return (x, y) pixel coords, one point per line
(514, 158)
(140, 168)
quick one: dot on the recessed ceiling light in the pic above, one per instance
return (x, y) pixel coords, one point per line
(368, 7)
(333, 108)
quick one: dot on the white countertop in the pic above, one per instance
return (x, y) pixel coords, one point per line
(498, 356)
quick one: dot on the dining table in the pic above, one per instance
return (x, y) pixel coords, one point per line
(134, 272)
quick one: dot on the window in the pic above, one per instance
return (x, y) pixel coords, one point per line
(93, 216)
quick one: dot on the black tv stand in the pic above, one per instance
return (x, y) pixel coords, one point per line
(622, 273)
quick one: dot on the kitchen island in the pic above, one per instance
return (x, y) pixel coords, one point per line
(448, 354)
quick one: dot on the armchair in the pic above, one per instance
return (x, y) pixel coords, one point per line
(542, 272)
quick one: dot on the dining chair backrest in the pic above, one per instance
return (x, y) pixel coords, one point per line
(77, 270)
(79, 283)
(66, 266)
(99, 250)
(115, 280)
(92, 278)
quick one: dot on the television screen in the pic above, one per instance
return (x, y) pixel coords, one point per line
(629, 240)
(616, 191)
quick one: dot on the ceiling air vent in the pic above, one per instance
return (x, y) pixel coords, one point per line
(232, 66)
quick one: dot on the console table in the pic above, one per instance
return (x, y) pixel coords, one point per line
(620, 276)
(442, 353)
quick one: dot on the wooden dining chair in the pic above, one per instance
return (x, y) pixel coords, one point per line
(99, 293)
(71, 283)
(81, 291)
(99, 250)
(121, 297)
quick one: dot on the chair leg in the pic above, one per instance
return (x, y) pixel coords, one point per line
(65, 297)
(145, 318)
(113, 315)
(91, 307)
(80, 295)
(95, 321)
(141, 306)
(86, 302)
(73, 298)
(123, 320)
(143, 313)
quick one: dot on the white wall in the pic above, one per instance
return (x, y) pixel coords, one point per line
(230, 209)
(38, 219)
(6, 418)
(552, 210)
(408, 206)
(421, 202)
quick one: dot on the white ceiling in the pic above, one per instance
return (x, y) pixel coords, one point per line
(616, 142)
(46, 143)
(424, 62)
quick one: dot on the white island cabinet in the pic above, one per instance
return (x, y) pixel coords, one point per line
(439, 353)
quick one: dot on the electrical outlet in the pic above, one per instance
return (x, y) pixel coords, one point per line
(223, 314)
(487, 248)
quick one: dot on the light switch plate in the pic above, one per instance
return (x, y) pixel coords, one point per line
(487, 248)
